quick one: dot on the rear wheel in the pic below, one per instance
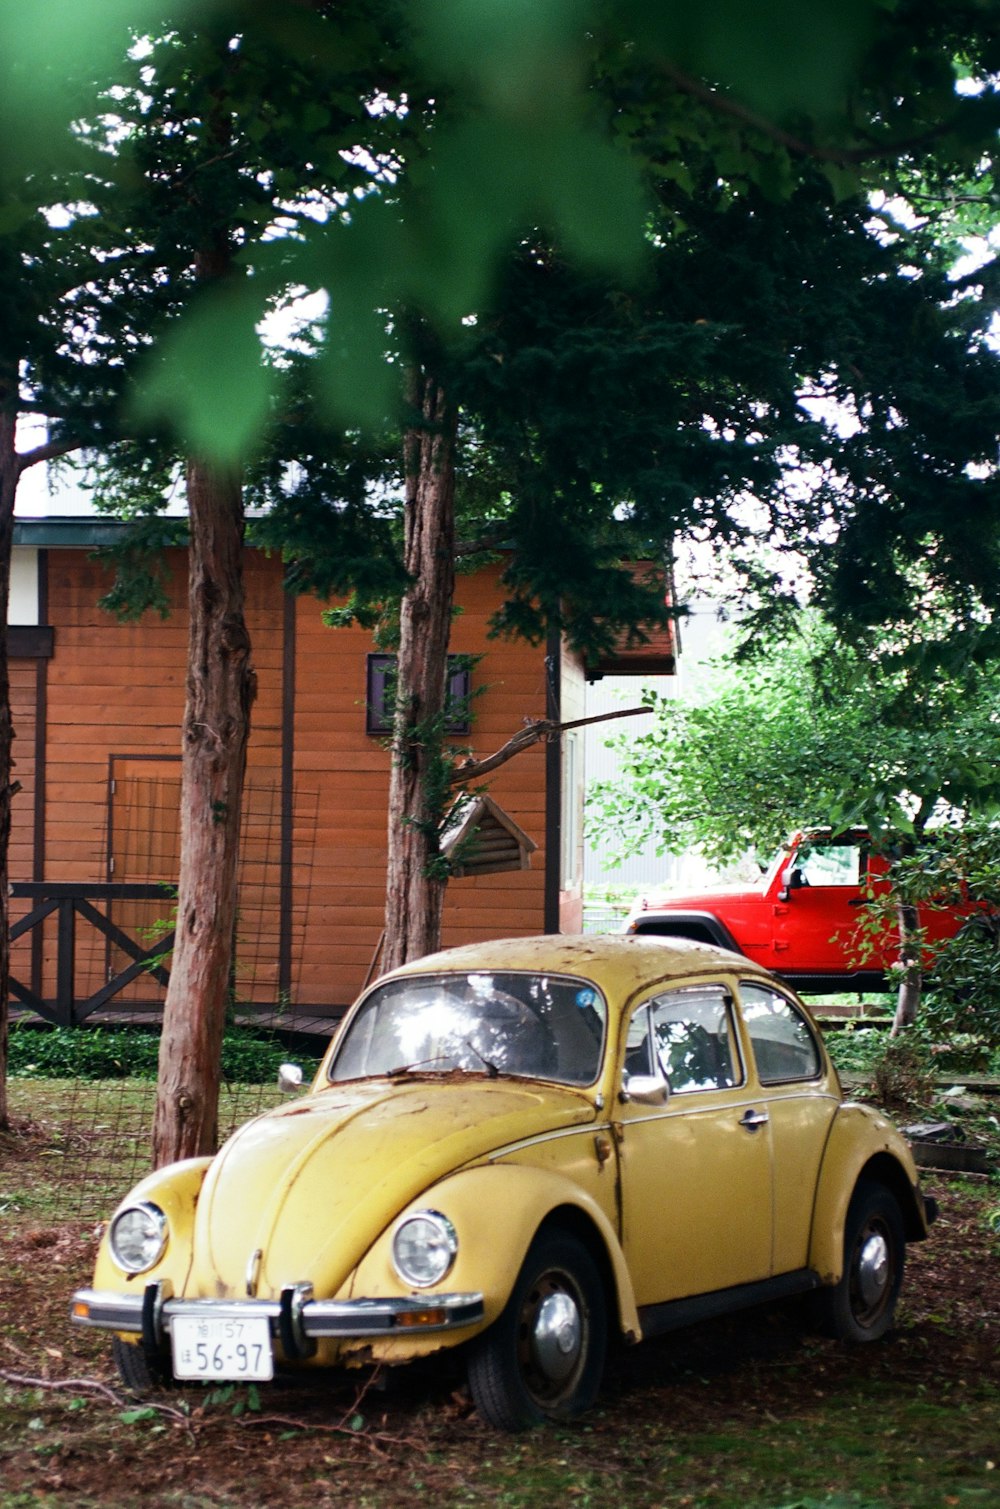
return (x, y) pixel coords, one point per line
(862, 1305)
(542, 1359)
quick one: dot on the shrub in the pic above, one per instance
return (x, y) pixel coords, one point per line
(248, 1057)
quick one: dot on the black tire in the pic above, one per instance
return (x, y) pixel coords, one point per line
(861, 1306)
(543, 1358)
(140, 1373)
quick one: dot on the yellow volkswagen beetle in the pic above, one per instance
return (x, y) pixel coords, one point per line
(521, 1148)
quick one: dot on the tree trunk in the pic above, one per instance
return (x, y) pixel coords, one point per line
(911, 979)
(419, 781)
(220, 689)
(9, 473)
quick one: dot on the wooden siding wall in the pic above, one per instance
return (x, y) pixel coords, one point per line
(350, 770)
(26, 680)
(23, 701)
(118, 690)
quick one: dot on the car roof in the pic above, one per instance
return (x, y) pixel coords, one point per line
(617, 962)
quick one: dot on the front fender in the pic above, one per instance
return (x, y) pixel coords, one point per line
(861, 1143)
(496, 1210)
(175, 1189)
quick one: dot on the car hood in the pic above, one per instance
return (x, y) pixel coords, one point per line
(313, 1184)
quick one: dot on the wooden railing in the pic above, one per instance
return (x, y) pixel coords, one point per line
(73, 904)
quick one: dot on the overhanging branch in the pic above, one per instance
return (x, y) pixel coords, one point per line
(532, 733)
(51, 451)
(724, 104)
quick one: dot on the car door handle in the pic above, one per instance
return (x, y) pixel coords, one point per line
(751, 1120)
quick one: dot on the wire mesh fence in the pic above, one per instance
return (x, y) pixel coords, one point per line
(91, 1139)
(92, 1135)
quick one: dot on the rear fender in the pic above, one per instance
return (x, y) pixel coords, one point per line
(862, 1145)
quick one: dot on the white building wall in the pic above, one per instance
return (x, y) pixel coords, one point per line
(702, 637)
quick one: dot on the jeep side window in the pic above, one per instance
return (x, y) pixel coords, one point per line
(783, 1041)
(829, 864)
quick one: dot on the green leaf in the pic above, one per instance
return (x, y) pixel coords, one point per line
(134, 1416)
(209, 378)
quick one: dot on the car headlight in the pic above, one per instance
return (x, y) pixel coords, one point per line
(138, 1236)
(424, 1247)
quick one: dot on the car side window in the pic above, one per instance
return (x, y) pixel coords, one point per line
(693, 1039)
(638, 1057)
(784, 1043)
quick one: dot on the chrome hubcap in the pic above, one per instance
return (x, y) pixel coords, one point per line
(557, 1336)
(873, 1268)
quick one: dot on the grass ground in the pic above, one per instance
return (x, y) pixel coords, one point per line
(746, 1413)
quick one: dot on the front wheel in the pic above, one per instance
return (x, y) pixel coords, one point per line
(137, 1370)
(543, 1358)
(861, 1306)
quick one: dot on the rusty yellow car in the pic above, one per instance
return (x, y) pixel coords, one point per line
(523, 1149)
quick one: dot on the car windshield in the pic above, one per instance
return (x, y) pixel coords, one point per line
(534, 1025)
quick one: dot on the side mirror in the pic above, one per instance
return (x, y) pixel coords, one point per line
(289, 1078)
(644, 1089)
(791, 880)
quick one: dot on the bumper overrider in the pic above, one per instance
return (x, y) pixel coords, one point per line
(296, 1320)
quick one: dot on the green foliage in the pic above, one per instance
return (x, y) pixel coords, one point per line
(565, 122)
(237, 1401)
(141, 571)
(821, 735)
(94, 1053)
(695, 251)
(862, 1051)
(960, 866)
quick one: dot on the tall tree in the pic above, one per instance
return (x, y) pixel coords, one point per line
(418, 784)
(229, 152)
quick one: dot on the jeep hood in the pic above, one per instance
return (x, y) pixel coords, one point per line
(313, 1184)
(698, 901)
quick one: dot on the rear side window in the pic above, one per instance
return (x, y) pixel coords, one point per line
(784, 1043)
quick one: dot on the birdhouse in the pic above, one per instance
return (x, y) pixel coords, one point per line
(481, 839)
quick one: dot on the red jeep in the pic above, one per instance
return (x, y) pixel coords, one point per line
(801, 920)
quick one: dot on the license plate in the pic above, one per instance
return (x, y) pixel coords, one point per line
(216, 1348)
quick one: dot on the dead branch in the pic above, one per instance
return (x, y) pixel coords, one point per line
(532, 733)
(92, 1386)
(377, 1440)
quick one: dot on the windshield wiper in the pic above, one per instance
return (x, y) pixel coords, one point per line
(492, 1071)
(401, 1070)
(422, 1063)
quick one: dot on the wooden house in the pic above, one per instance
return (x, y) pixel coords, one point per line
(97, 709)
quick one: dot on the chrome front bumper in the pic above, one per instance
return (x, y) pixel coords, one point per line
(296, 1319)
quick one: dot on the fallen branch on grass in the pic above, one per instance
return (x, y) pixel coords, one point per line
(378, 1440)
(94, 1386)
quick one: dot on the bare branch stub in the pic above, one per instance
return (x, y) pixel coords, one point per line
(532, 733)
